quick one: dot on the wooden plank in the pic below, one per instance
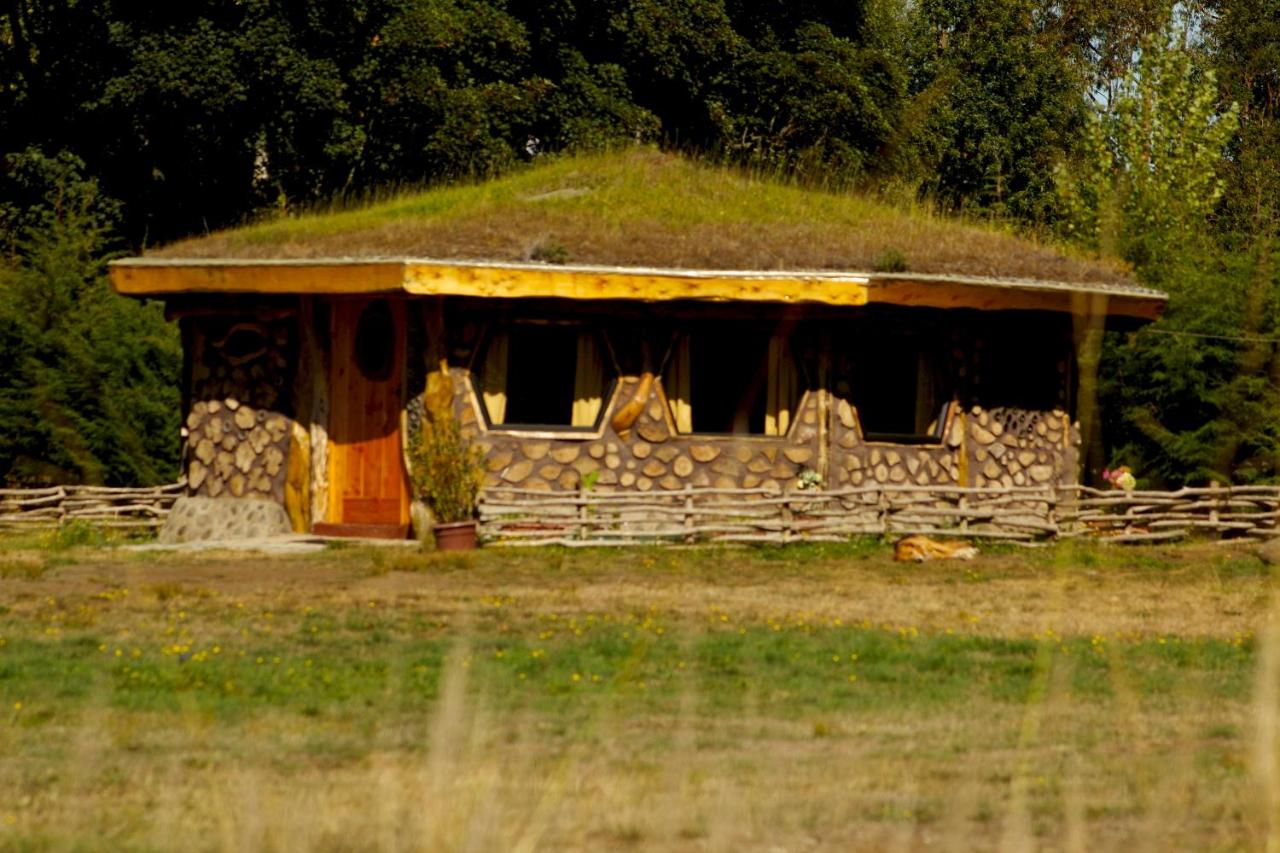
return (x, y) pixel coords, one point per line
(142, 276)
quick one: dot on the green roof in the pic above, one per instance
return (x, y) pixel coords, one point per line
(643, 208)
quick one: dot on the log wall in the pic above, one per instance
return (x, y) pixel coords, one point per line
(239, 427)
(990, 438)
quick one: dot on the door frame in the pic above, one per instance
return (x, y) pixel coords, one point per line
(344, 318)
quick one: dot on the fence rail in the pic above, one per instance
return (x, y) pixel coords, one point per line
(115, 509)
(586, 518)
(510, 516)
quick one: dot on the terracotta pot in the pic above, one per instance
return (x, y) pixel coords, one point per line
(455, 536)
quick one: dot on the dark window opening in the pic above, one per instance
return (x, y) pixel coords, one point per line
(535, 375)
(1024, 371)
(731, 380)
(375, 343)
(899, 393)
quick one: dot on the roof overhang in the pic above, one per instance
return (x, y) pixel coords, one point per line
(160, 277)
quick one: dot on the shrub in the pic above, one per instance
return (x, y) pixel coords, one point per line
(446, 470)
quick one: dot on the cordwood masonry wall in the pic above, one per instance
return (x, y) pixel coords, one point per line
(256, 410)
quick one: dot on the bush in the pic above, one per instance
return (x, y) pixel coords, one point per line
(446, 470)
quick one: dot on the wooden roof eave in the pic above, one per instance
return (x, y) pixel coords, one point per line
(164, 277)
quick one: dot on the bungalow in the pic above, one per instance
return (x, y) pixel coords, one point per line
(311, 351)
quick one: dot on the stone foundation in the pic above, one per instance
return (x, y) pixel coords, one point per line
(198, 519)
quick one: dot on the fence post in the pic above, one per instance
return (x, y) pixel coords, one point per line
(788, 530)
(689, 535)
(1214, 518)
(963, 506)
(582, 513)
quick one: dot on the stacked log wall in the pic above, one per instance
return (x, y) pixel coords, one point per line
(239, 425)
(981, 448)
(985, 441)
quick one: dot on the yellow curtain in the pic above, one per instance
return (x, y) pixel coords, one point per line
(782, 388)
(678, 385)
(588, 382)
(493, 378)
(926, 395)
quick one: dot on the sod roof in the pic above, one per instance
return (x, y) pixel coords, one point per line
(642, 208)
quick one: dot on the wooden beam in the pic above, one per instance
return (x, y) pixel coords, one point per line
(942, 294)
(638, 285)
(148, 277)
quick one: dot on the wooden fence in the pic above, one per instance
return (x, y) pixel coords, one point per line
(116, 509)
(587, 518)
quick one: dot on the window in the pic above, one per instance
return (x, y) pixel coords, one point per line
(375, 343)
(1025, 369)
(543, 375)
(731, 380)
(897, 390)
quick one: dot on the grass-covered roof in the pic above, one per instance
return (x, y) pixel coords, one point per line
(648, 209)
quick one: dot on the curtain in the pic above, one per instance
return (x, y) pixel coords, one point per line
(493, 378)
(588, 382)
(678, 385)
(926, 395)
(781, 388)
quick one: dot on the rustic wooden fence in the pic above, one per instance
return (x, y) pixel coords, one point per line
(511, 516)
(588, 518)
(115, 509)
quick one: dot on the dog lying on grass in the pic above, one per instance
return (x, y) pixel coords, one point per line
(919, 549)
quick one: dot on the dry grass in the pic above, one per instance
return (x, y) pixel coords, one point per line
(644, 208)
(1086, 755)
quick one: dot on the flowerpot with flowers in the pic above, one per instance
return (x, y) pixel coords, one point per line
(447, 474)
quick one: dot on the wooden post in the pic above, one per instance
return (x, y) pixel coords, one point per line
(583, 514)
(788, 530)
(1213, 508)
(824, 408)
(689, 536)
(963, 506)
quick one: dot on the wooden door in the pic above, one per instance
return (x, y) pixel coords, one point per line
(368, 485)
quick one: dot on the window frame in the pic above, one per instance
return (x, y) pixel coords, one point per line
(922, 343)
(803, 386)
(608, 397)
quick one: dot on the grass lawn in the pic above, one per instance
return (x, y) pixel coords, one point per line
(1074, 697)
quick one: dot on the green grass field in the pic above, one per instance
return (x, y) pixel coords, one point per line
(1077, 698)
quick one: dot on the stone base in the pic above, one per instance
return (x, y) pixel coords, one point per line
(196, 519)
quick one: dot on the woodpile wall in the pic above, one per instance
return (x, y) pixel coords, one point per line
(985, 441)
(647, 455)
(116, 509)
(239, 425)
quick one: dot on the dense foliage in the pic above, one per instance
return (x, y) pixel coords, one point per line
(164, 120)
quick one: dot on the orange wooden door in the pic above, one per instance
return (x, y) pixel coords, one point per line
(368, 485)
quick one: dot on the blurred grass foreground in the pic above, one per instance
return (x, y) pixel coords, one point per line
(1077, 697)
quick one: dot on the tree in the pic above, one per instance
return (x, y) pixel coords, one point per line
(1189, 400)
(90, 391)
(999, 104)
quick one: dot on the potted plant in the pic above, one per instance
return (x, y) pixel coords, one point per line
(447, 474)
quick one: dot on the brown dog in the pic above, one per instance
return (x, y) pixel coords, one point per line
(918, 549)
